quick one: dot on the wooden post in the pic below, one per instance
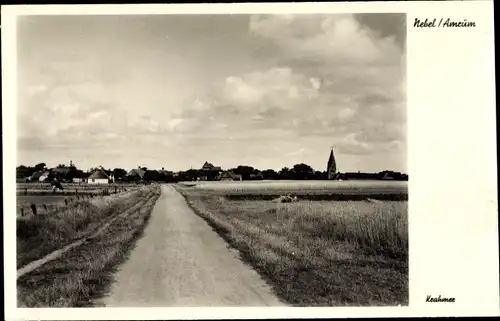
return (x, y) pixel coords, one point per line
(66, 201)
(33, 208)
(22, 211)
(25, 191)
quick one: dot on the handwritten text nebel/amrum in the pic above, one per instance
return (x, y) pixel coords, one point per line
(442, 23)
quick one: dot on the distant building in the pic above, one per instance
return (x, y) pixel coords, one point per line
(98, 177)
(165, 172)
(209, 172)
(331, 167)
(229, 176)
(136, 174)
(210, 167)
(39, 176)
(360, 176)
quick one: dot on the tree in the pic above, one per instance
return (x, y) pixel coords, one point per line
(40, 166)
(284, 173)
(24, 171)
(320, 175)
(151, 175)
(270, 174)
(302, 171)
(119, 173)
(245, 171)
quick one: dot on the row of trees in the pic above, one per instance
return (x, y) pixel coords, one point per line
(297, 172)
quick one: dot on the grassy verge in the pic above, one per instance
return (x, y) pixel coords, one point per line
(39, 235)
(315, 253)
(81, 276)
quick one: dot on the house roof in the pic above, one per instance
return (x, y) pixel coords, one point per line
(98, 174)
(207, 165)
(210, 166)
(38, 174)
(136, 172)
(229, 174)
(62, 170)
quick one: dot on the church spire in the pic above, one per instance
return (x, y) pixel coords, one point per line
(331, 166)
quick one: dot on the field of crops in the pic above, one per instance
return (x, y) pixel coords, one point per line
(322, 249)
(310, 190)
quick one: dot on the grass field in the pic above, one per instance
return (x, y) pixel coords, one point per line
(45, 189)
(47, 201)
(311, 190)
(35, 199)
(314, 253)
(84, 273)
(47, 186)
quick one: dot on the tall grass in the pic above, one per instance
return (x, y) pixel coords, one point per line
(375, 228)
(317, 253)
(81, 276)
(42, 234)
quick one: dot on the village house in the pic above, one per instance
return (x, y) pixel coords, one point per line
(39, 176)
(136, 174)
(98, 177)
(210, 167)
(229, 176)
(79, 180)
(209, 172)
(164, 172)
(61, 172)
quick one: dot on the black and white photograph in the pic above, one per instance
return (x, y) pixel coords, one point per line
(211, 159)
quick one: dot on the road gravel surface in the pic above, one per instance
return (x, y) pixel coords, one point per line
(181, 261)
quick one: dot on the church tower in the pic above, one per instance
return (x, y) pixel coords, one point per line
(332, 166)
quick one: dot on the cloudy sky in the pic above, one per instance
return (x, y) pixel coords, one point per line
(174, 91)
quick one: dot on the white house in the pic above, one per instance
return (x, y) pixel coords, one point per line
(40, 176)
(98, 177)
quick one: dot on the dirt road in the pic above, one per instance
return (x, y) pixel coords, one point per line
(181, 261)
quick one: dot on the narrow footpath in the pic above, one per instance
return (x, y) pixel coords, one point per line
(181, 261)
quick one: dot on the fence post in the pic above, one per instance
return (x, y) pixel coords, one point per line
(33, 208)
(22, 211)
(66, 201)
(25, 191)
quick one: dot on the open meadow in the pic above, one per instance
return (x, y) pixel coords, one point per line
(317, 251)
(46, 200)
(311, 190)
(69, 188)
(100, 231)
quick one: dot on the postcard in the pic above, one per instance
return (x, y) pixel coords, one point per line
(277, 160)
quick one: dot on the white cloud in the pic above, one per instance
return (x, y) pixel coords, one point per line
(323, 79)
(329, 38)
